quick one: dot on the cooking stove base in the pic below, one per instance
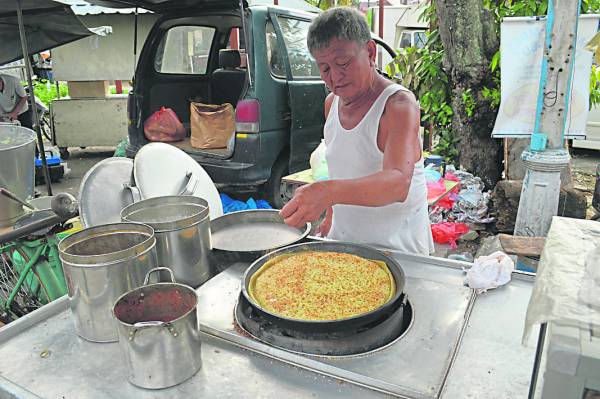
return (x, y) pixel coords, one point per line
(375, 336)
(414, 366)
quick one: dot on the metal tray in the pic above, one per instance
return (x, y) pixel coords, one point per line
(254, 231)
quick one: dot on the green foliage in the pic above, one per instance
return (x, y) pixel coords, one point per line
(327, 4)
(595, 85)
(46, 91)
(469, 102)
(421, 70)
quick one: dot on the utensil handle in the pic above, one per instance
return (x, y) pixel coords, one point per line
(158, 269)
(191, 184)
(13, 197)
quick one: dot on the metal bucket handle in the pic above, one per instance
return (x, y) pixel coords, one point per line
(158, 269)
(136, 196)
(141, 325)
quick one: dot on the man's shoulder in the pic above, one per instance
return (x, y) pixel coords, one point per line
(10, 80)
(402, 96)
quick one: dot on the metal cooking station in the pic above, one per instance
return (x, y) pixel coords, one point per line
(458, 345)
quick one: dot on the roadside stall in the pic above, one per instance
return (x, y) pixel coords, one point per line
(432, 338)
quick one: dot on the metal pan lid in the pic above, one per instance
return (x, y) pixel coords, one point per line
(103, 193)
(253, 231)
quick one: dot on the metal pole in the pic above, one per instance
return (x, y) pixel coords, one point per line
(379, 54)
(135, 35)
(538, 360)
(40, 139)
(246, 45)
(541, 186)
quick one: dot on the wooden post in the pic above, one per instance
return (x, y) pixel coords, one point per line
(541, 186)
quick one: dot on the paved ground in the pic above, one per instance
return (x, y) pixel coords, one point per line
(585, 160)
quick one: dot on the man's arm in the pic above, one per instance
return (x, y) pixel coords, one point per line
(14, 113)
(398, 133)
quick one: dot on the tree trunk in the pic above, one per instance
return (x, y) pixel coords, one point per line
(470, 40)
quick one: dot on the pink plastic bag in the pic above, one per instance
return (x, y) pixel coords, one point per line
(164, 125)
(448, 232)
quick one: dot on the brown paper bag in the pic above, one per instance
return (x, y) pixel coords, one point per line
(212, 125)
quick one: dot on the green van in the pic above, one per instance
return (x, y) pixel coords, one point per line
(204, 50)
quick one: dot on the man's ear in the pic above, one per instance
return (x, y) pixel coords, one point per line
(372, 51)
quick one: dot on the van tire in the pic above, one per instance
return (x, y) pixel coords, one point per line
(272, 188)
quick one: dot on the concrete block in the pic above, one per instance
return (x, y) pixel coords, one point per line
(88, 89)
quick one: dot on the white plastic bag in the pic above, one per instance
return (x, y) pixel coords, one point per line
(490, 271)
(318, 162)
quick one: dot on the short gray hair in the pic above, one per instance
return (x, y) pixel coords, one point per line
(337, 23)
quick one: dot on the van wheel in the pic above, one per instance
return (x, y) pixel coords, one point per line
(272, 189)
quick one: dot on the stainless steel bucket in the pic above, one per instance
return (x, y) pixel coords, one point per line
(182, 228)
(100, 264)
(17, 168)
(158, 333)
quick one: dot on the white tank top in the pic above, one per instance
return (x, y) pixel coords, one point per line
(353, 153)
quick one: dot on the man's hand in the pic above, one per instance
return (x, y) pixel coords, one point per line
(12, 116)
(308, 204)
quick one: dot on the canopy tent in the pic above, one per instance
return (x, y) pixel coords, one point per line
(31, 26)
(47, 24)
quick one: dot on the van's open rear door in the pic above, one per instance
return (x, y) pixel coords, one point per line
(307, 91)
(160, 6)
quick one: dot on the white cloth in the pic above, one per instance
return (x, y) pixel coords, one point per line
(562, 288)
(402, 226)
(11, 94)
(490, 271)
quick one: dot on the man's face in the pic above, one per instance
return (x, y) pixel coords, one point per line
(346, 67)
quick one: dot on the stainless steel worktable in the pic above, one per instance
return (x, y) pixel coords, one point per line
(490, 361)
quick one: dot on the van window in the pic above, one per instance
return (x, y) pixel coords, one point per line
(184, 50)
(294, 36)
(273, 54)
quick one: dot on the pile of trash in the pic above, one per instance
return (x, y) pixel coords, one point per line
(465, 205)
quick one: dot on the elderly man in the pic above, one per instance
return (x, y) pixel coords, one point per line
(376, 193)
(13, 101)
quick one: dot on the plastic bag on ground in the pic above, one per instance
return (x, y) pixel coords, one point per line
(448, 232)
(490, 271)
(232, 205)
(164, 126)
(435, 190)
(318, 162)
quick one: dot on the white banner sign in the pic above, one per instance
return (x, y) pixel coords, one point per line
(521, 49)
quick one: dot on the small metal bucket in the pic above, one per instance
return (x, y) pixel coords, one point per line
(100, 264)
(158, 333)
(182, 228)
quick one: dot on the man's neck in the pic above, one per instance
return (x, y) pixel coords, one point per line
(367, 97)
